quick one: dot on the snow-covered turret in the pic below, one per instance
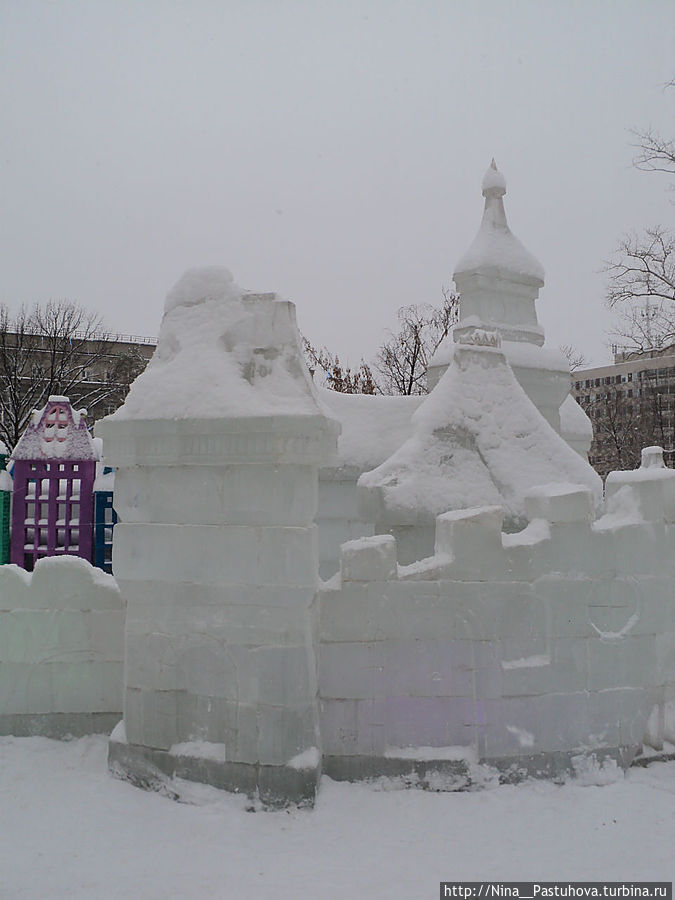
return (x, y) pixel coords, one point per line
(499, 279)
(477, 440)
(490, 428)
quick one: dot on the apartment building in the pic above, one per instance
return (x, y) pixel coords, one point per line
(631, 405)
(94, 370)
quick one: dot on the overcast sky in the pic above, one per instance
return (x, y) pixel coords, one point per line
(330, 151)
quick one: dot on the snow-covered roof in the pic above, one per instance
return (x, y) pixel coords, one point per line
(477, 440)
(57, 431)
(3, 448)
(373, 426)
(495, 249)
(222, 353)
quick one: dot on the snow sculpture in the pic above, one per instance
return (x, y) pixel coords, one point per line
(216, 449)
(53, 502)
(499, 281)
(575, 426)
(497, 278)
(479, 438)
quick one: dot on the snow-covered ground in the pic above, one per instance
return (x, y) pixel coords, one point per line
(67, 829)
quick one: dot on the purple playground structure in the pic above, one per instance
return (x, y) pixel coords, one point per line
(53, 501)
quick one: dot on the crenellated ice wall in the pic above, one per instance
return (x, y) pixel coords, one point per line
(528, 651)
(61, 649)
(372, 428)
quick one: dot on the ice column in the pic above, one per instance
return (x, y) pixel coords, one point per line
(216, 450)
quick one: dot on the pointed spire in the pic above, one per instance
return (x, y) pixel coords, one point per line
(494, 183)
(495, 248)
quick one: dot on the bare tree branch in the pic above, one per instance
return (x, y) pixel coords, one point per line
(627, 417)
(59, 348)
(656, 153)
(642, 267)
(327, 365)
(403, 359)
(641, 275)
(574, 357)
(641, 290)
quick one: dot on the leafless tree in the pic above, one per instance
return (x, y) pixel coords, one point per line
(334, 375)
(403, 358)
(574, 357)
(643, 268)
(641, 273)
(641, 289)
(655, 152)
(59, 348)
(627, 417)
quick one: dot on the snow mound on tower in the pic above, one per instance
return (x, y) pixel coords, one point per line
(222, 353)
(477, 440)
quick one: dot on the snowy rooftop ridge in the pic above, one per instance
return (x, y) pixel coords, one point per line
(495, 249)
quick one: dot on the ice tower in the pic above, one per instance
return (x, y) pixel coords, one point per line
(216, 450)
(490, 428)
(499, 280)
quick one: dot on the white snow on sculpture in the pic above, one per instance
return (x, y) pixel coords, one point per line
(498, 281)
(202, 284)
(575, 426)
(495, 248)
(217, 449)
(373, 426)
(222, 353)
(518, 353)
(477, 441)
